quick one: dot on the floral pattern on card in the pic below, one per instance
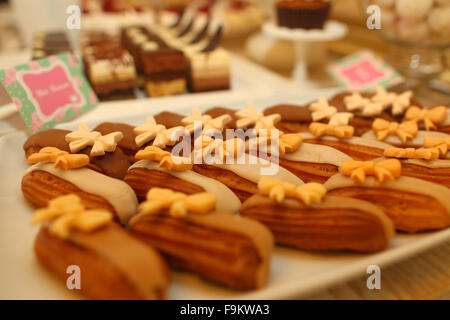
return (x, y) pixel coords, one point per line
(49, 91)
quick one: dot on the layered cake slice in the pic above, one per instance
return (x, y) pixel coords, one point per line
(163, 67)
(109, 67)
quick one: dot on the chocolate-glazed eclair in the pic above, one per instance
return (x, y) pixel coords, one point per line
(112, 263)
(294, 118)
(305, 217)
(364, 106)
(412, 204)
(309, 162)
(232, 250)
(112, 163)
(220, 111)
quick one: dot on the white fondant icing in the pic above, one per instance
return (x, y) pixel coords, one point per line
(115, 191)
(354, 140)
(317, 153)
(433, 164)
(255, 167)
(408, 184)
(227, 201)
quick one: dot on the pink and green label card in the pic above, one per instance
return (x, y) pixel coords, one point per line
(49, 91)
(364, 71)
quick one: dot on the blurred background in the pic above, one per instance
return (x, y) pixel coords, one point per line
(413, 38)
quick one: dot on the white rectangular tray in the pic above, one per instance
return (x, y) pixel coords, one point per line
(294, 273)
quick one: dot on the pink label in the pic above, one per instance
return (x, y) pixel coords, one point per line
(52, 90)
(362, 73)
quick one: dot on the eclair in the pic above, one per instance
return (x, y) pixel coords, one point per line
(402, 135)
(186, 229)
(412, 204)
(364, 107)
(227, 162)
(341, 138)
(158, 168)
(111, 263)
(305, 217)
(56, 173)
(105, 158)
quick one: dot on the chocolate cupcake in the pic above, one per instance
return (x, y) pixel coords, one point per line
(304, 14)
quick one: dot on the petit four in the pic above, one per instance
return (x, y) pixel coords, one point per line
(164, 67)
(113, 264)
(109, 67)
(305, 217)
(229, 249)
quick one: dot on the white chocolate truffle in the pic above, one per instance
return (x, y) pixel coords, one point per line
(414, 9)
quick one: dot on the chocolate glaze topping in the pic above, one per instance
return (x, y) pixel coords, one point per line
(128, 143)
(169, 119)
(290, 113)
(219, 111)
(114, 164)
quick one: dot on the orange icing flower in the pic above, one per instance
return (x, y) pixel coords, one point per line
(358, 170)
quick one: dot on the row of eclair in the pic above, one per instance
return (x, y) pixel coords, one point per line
(118, 203)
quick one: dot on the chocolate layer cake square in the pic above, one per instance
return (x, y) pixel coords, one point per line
(109, 67)
(163, 67)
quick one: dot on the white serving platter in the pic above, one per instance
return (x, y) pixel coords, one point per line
(294, 273)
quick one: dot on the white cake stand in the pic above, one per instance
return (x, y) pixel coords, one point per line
(308, 44)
